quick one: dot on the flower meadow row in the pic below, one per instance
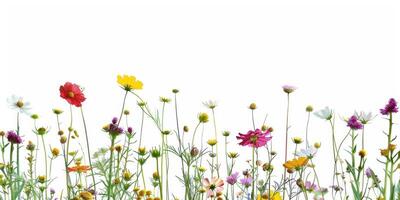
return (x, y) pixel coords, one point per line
(120, 169)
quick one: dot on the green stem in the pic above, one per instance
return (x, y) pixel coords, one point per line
(109, 185)
(159, 181)
(11, 168)
(45, 163)
(286, 143)
(253, 177)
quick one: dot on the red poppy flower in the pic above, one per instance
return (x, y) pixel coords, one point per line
(72, 93)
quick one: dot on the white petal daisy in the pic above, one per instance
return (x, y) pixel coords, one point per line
(325, 113)
(17, 103)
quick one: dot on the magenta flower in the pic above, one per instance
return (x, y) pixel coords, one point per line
(246, 181)
(255, 138)
(232, 179)
(354, 123)
(13, 138)
(391, 107)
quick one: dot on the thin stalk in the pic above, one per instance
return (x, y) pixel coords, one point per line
(109, 185)
(45, 163)
(216, 137)
(286, 144)
(253, 177)
(88, 150)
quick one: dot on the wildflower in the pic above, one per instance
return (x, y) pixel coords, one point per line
(392, 147)
(391, 107)
(364, 117)
(267, 167)
(232, 179)
(297, 140)
(385, 152)
(194, 152)
(210, 104)
(165, 100)
(296, 163)
(212, 142)
(129, 83)
(289, 88)
(202, 169)
(72, 93)
(155, 153)
(253, 106)
(13, 138)
(271, 196)
(255, 138)
(18, 103)
(317, 145)
(79, 169)
(113, 129)
(41, 131)
(175, 91)
(41, 179)
(362, 153)
(57, 111)
(214, 186)
(203, 117)
(142, 151)
(226, 133)
(35, 116)
(185, 129)
(233, 154)
(85, 195)
(308, 152)
(325, 113)
(309, 108)
(353, 123)
(246, 181)
(55, 152)
(309, 186)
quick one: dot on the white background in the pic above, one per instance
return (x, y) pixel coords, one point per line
(343, 54)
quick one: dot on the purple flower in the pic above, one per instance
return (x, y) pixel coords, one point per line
(310, 186)
(13, 138)
(368, 172)
(246, 181)
(353, 123)
(114, 120)
(130, 130)
(52, 191)
(391, 107)
(232, 179)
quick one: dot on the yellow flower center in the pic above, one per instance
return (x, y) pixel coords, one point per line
(71, 94)
(19, 104)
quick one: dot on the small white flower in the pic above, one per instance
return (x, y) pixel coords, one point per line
(364, 117)
(18, 104)
(325, 113)
(210, 104)
(308, 152)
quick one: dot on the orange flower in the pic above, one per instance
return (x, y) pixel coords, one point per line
(79, 169)
(296, 163)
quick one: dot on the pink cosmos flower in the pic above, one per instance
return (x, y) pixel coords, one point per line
(214, 186)
(255, 138)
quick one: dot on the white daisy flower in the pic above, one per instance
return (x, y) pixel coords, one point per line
(325, 113)
(210, 104)
(308, 152)
(17, 103)
(364, 117)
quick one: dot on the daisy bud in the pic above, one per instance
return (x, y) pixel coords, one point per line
(268, 167)
(165, 132)
(194, 151)
(392, 147)
(41, 179)
(60, 132)
(63, 139)
(117, 181)
(264, 127)
(55, 152)
(156, 176)
(226, 133)
(212, 142)
(233, 155)
(142, 151)
(317, 145)
(175, 91)
(362, 153)
(35, 116)
(118, 148)
(253, 106)
(309, 108)
(202, 169)
(185, 129)
(57, 111)
(126, 112)
(385, 152)
(202, 190)
(297, 140)
(30, 146)
(155, 153)
(203, 117)
(288, 89)
(2, 133)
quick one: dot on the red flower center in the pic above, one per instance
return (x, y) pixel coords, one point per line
(71, 94)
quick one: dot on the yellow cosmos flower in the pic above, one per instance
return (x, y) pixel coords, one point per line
(296, 163)
(272, 196)
(129, 82)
